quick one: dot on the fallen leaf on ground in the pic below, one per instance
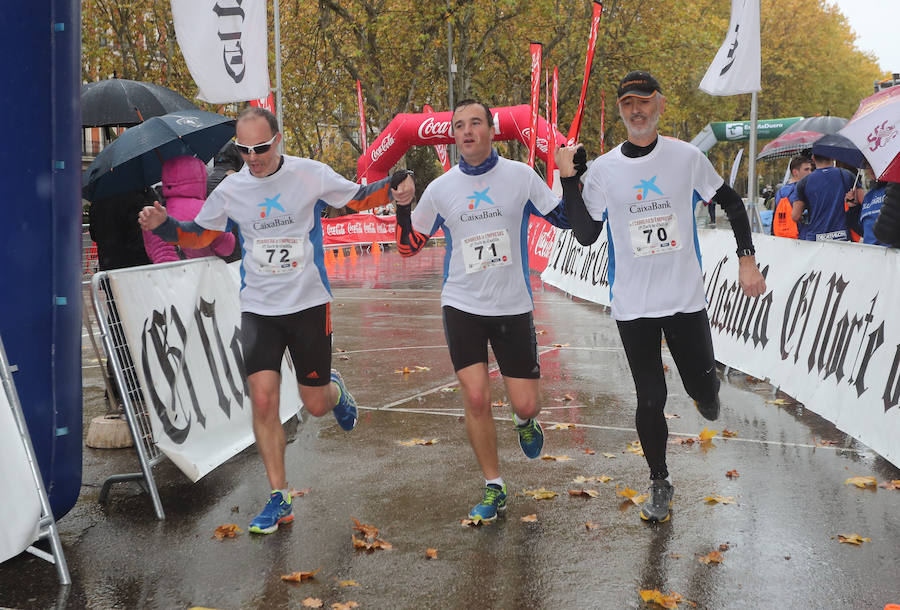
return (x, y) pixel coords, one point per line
(564, 426)
(717, 499)
(312, 602)
(417, 441)
(707, 435)
(449, 389)
(632, 495)
(590, 493)
(229, 530)
(590, 525)
(540, 332)
(556, 458)
(348, 583)
(299, 576)
(581, 480)
(371, 545)
(671, 415)
(726, 433)
(666, 368)
(540, 494)
(853, 539)
(635, 448)
(824, 443)
(499, 403)
(666, 601)
(611, 456)
(404, 371)
(340, 350)
(589, 451)
(560, 345)
(476, 522)
(431, 553)
(895, 484)
(732, 474)
(297, 493)
(723, 547)
(423, 368)
(683, 440)
(343, 357)
(529, 518)
(369, 531)
(778, 401)
(344, 606)
(861, 482)
(675, 555)
(711, 557)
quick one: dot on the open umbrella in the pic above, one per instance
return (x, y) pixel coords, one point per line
(875, 129)
(820, 124)
(836, 146)
(135, 159)
(788, 145)
(118, 101)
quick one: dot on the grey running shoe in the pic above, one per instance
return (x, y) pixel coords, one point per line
(709, 409)
(656, 508)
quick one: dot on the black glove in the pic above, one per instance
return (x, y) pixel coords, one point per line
(887, 225)
(399, 176)
(580, 160)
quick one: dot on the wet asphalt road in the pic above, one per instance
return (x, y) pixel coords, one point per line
(790, 498)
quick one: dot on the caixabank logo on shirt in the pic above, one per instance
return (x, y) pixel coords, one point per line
(482, 206)
(268, 220)
(643, 188)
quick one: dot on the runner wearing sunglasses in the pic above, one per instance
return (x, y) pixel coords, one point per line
(276, 201)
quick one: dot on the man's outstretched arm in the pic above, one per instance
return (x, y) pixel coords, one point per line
(409, 241)
(185, 233)
(572, 163)
(751, 280)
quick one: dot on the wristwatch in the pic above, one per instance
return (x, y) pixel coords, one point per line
(745, 252)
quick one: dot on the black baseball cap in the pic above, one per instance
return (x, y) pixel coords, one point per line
(637, 84)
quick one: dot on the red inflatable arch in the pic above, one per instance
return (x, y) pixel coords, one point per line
(427, 129)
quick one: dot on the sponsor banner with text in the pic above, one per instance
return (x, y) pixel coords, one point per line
(541, 235)
(824, 332)
(361, 229)
(182, 323)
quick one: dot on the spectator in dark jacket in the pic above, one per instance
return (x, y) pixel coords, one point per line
(114, 227)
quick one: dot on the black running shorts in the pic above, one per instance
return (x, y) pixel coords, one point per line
(306, 334)
(511, 337)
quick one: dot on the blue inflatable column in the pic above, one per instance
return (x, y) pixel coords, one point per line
(40, 190)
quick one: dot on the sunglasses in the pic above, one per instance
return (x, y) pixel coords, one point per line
(259, 149)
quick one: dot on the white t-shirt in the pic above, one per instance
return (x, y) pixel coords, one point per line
(648, 206)
(279, 217)
(485, 222)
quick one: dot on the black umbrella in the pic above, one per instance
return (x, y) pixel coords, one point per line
(134, 160)
(836, 146)
(820, 124)
(118, 101)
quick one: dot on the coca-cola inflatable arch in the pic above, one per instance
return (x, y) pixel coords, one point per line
(427, 129)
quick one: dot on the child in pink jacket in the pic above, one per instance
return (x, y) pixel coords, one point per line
(184, 188)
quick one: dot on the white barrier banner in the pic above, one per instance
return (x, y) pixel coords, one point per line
(182, 324)
(20, 510)
(825, 332)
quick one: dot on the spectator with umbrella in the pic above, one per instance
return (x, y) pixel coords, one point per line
(822, 195)
(862, 212)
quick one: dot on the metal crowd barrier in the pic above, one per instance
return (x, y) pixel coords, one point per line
(47, 529)
(132, 397)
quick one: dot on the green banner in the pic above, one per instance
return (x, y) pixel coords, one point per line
(736, 131)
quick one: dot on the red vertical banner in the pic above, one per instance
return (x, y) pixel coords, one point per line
(535, 99)
(363, 140)
(551, 150)
(440, 149)
(602, 119)
(265, 102)
(592, 41)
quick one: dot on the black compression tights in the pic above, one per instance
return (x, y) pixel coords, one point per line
(690, 343)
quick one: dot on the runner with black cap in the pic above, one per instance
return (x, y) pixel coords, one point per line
(646, 189)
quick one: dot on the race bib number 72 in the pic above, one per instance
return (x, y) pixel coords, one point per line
(654, 235)
(279, 254)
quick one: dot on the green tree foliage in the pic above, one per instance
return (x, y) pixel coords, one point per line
(398, 50)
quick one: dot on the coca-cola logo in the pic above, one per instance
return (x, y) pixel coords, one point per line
(431, 129)
(386, 143)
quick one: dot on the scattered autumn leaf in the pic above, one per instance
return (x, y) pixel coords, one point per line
(540, 332)
(449, 390)
(476, 522)
(611, 456)
(556, 458)
(707, 435)
(431, 553)
(726, 433)
(861, 482)
(675, 555)
(590, 493)
(371, 545)
(717, 499)
(824, 443)
(712, 557)
(344, 606)
(404, 371)
(590, 525)
(671, 415)
(300, 576)
(540, 494)
(666, 601)
(724, 547)
(423, 368)
(417, 441)
(666, 368)
(298, 493)
(683, 440)
(312, 602)
(635, 448)
(229, 530)
(529, 518)
(853, 539)
(343, 357)
(632, 495)
(560, 345)
(348, 583)
(732, 474)
(778, 401)
(563, 426)
(340, 350)
(499, 403)
(895, 484)
(581, 480)
(589, 451)
(369, 531)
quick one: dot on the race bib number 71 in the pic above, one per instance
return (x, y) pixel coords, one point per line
(486, 250)
(654, 235)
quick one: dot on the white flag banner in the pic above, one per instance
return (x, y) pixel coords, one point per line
(736, 68)
(224, 43)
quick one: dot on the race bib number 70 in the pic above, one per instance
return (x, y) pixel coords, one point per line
(654, 235)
